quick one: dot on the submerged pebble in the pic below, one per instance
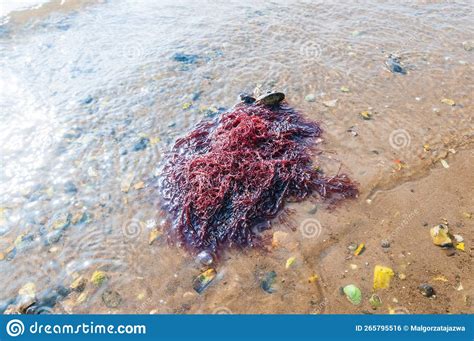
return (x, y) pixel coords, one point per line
(111, 298)
(394, 65)
(268, 281)
(141, 144)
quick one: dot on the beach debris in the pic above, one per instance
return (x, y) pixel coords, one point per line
(394, 64)
(111, 298)
(402, 276)
(352, 247)
(398, 311)
(205, 257)
(366, 115)
(468, 45)
(460, 246)
(139, 185)
(467, 215)
(61, 221)
(203, 280)
(440, 278)
(154, 235)
(272, 98)
(375, 301)
(353, 266)
(444, 163)
(344, 89)
(426, 290)
(313, 278)
(279, 238)
(79, 284)
(385, 243)
(353, 294)
(330, 104)
(448, 101)
(458, 238)
(352, 131)
(186, 105)
(289, 262)
(359, 249)
(310, 98)
(98, 278)
(382, 277)
(268, 281)
(426, 147)
(440, 235)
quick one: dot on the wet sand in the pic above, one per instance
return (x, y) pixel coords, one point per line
(81, 88)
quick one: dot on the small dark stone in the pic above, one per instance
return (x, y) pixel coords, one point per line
(450, 251)
(69, 187)
(196, 95)
(267, 282)
(142, 144)
(246, 98)
(394, 65)
(111, 299)
(87, 100)
(185, 58)
(426, 290)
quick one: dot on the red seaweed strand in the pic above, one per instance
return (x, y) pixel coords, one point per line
(227, 177)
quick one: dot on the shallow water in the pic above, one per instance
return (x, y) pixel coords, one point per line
(82, 83)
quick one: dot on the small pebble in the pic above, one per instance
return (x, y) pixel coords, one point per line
(310, 98)
(426, 290)
(205, 258)
(385, 243)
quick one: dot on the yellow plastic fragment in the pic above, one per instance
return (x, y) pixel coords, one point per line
(440, 278)
(98, 277)
(448, 101)
(445, 163)
(382, 277)
(187, 105)
(313, 278)
(139, 185)
(154, 234)
(460, 246)
(359, 249)
(289, 262)
(440, 236)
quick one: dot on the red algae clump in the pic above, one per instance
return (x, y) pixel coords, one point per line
(229, 177)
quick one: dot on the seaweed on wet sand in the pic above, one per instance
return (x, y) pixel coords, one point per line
(235, 173)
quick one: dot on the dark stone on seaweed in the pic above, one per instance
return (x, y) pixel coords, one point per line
(229, 174)
(245, 98)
